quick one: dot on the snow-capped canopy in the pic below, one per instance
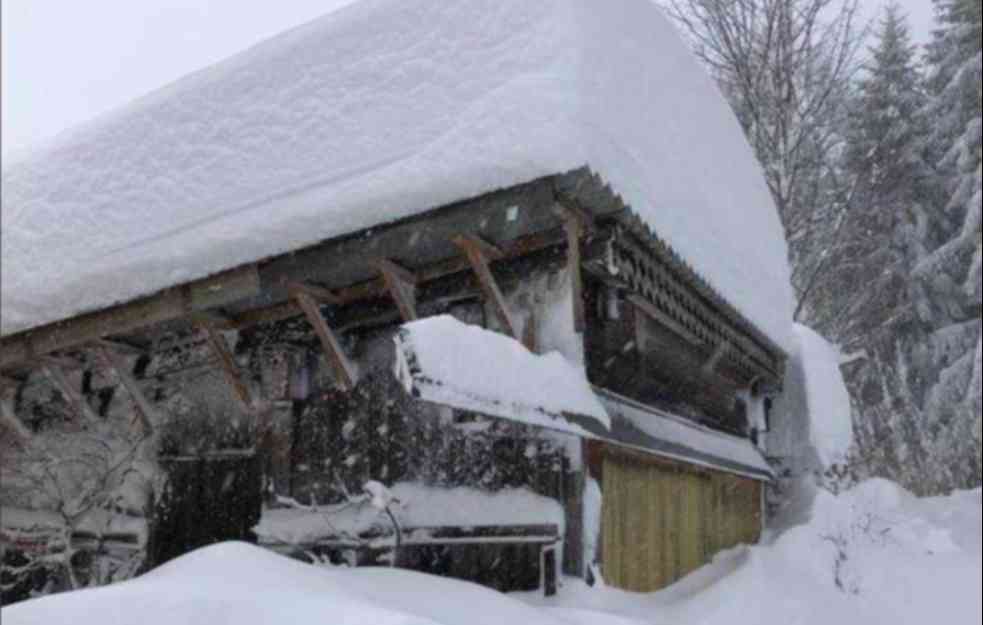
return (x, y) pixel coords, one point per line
(379, 111)
(444, 361)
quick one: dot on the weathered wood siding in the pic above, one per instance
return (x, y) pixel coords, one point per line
(661, 521)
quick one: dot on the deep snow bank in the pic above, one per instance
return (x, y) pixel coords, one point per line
(875, 554)
(238, 584)
(379, 111)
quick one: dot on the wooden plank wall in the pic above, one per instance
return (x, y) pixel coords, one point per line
(661, 521)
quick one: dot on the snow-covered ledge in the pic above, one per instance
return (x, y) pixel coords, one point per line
(444, 361)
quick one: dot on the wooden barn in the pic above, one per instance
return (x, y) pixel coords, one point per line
(489, 362)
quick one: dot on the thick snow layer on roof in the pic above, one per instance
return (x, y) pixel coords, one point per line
(382, 110)
(447, 362)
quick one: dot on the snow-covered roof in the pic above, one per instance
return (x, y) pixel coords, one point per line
(382, 110)
(656, 432)
(444, 361)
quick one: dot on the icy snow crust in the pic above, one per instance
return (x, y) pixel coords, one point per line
(376, 112)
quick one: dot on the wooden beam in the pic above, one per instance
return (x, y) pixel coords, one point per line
(714, 361)
(9, 383)
(147, 412)
(571, 209)
(8, 418)
(73, 396)
(123, 347)
(176, 303)
(477, 253)
(346, 374)
(401, 284)
(574, 228)
(229, 368)
(490, 251)
(211, 319)
(314, 292)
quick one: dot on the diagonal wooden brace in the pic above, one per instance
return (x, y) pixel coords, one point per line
(8, 418)
(229, 368)
(54, 372)
(401, 285)
(479, 254)
(146, 412)
(346, 373)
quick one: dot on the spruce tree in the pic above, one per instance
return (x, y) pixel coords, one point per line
(951, 268)
(894, 188)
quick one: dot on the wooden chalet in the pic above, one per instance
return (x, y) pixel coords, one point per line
(309, 366)
(273, 390)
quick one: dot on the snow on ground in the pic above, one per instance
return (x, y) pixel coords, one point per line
(379, 111)
(238, 584)
(445, 361)
(418, 506)
(875, 554)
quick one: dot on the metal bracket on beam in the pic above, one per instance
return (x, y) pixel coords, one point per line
(346, 373)
(401, 284)
(479, 254)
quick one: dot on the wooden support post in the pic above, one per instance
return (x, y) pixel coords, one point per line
(221, 349)
(52, 369)
(479, 253)
(718, 354)
(345, 371)
(8, 418)
(401, 284)
(575, 229)
(146, 411)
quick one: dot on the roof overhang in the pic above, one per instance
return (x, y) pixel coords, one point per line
(444, 362)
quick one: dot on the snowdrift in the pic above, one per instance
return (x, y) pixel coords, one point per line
(238, 584)
(875, 554)
(377, 112)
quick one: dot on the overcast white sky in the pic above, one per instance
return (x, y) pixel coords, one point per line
(67, 61)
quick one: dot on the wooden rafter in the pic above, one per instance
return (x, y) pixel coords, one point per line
(577, 222)
(169, 305)
(146, 411)
(346, 374)
(16, 427)
(317, 293)
(571, 209)
(574, 228)
(479, 254)
(401, 284)
(54, 372)
(229, 368)
(714, 361)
